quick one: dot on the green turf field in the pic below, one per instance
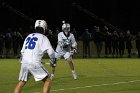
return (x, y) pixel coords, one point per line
(94, 76)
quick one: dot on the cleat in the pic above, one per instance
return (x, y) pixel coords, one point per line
(74, 75)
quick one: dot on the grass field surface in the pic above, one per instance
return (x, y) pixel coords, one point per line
(104, 75)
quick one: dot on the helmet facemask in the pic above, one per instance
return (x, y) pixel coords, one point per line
(66, 27)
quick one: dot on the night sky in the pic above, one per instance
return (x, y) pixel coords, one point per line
(122, 14)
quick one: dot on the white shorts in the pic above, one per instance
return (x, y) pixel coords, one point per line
(37, 70)
(66, 55)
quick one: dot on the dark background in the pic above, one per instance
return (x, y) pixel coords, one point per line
(122, 14)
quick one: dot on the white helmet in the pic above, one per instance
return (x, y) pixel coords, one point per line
(41, 23)
(66, 26)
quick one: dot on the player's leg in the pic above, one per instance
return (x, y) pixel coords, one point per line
(19, 86)
(47, 85)
(41, 74)
(69, 60)
(57, 56)
(23, 78)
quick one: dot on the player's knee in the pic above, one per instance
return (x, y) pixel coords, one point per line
(69, 60)
(45, 79)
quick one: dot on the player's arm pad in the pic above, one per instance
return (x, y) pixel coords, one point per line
(74, 50)
(53, 62)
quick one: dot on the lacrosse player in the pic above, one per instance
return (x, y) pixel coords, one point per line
(66, 46)
(34, 46)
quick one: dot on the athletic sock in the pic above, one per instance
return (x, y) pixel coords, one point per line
(73, 71)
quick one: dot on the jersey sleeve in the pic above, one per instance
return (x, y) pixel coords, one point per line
(47, 47)
(60, 37)
(45, 44)
(60, 41)
(23, 47)
(73, 41)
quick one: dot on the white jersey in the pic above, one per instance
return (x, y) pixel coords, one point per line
(35, 45)
(66, 42)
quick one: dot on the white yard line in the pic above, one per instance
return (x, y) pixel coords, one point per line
(100, 85)
(116, 83)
